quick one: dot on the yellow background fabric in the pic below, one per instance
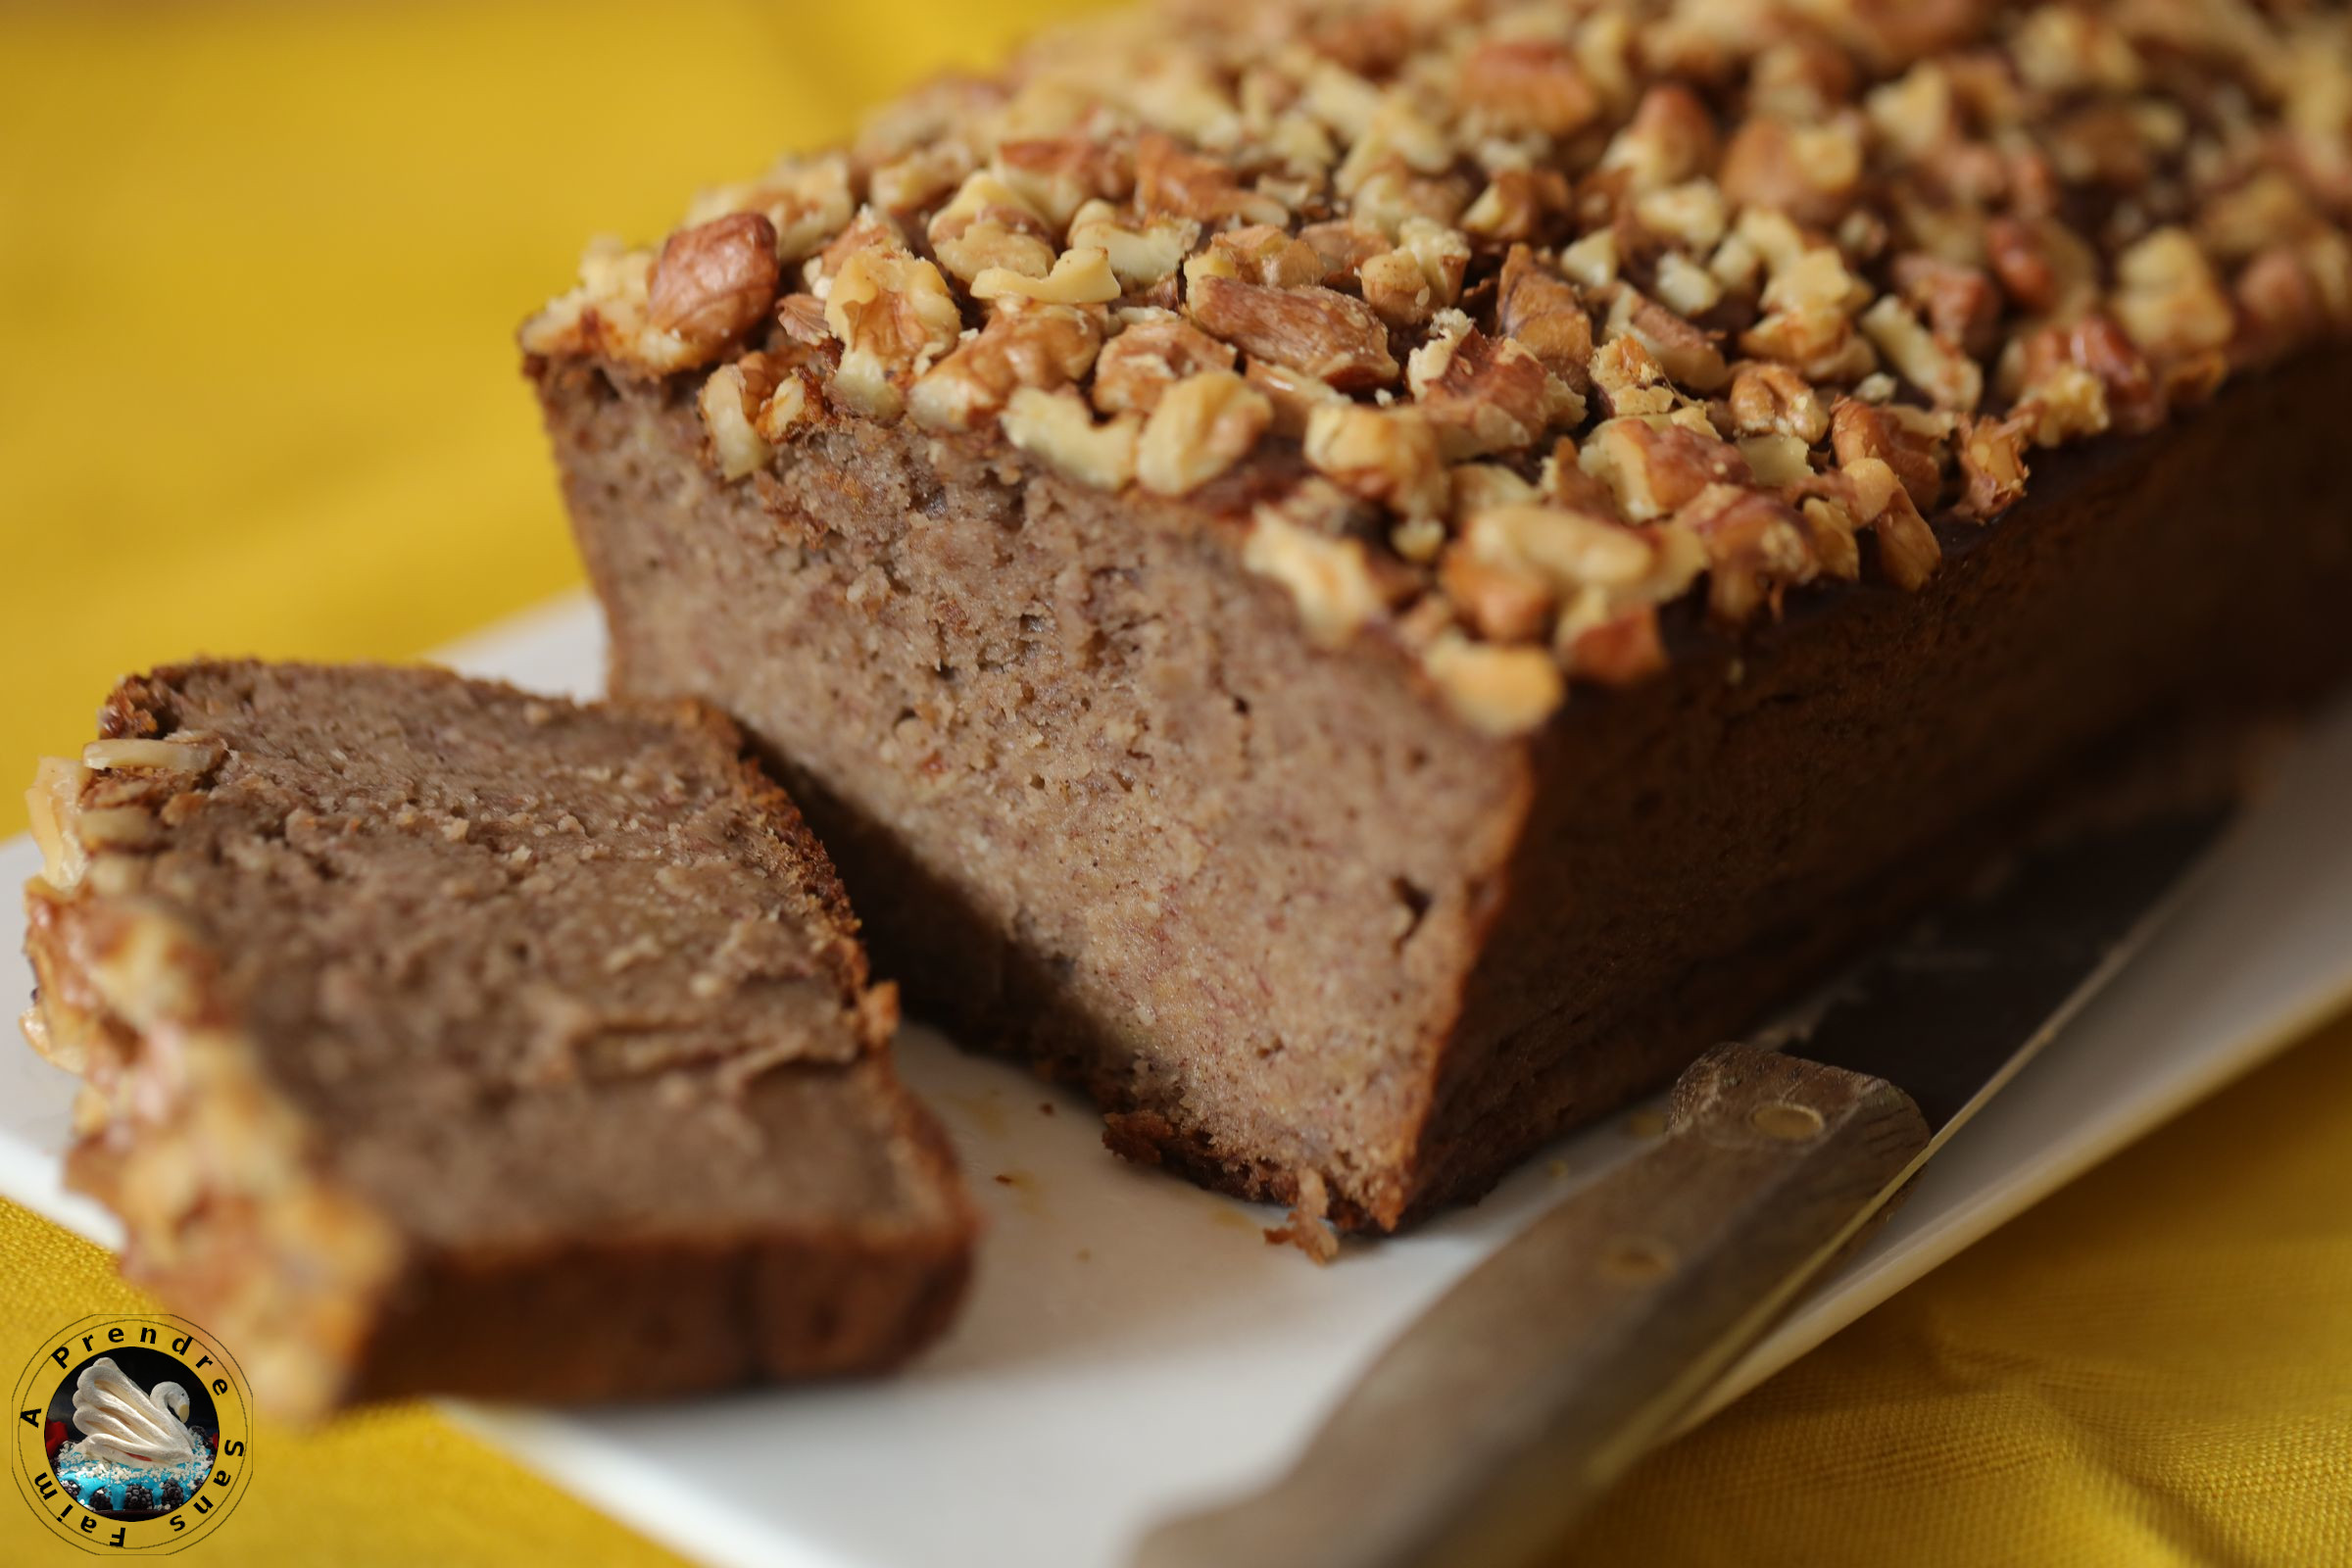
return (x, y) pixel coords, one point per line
(260, 269)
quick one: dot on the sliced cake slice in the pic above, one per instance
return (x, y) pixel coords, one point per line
(441, 1037)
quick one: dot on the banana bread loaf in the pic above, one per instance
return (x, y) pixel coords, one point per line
(1363, 580)
(438, 1036)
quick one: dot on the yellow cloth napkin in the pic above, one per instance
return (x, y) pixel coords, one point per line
(260, 266)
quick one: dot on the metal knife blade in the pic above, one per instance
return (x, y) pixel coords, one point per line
(1949, 1012)
(1482, 1432)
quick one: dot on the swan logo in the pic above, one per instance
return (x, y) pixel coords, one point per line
(133, 1434)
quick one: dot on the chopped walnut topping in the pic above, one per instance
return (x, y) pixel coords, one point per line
(1143, 251)
(2044, 267)
(1777, 461)
(1147, 358)
(1542, 315)
(1081, 277)
(1938, 368)
(2067, 404)
(1503, 606)
(1057, 175)
(1263, 254)
(1028, 345)
(1686, 288)
(1756, 281)
(893, 315)
(2167, 299)
(1629, 381)
(1670, 138)
(1810, 173)
(727, 411)
(1294, 394)
(2290, 294)
(1592, 260)
(1993, 465)
(802, 316)
(1422, 276)
(1344, 246)
(1908, 547)
(1057, 429)
(1498, 691)
(1913, 450)
(2128, 396)
(917, 181)
(990, 226)
(1326, 579)
(713, 281)
(1686, 354)
(1959, 303)
(1482, 486)
(1621, 651)
(1832, 530)
(1330, 336)
(805, 202)
(1655, 468)
(1388, 456)
(604, 316)
(1809, 305)
(1692, 214)
(1200, 426)
(1518, 204)
(1529, 84)
(1568, 551)
(1756, 547)
(1481, 396)
(1170, 181)
(1773, 400)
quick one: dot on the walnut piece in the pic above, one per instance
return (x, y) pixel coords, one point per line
(1202, 426)
(1329, 335)
(893, 315)
(1993, 465)
(1147, 358)
(1498, 691)
(1504, 605)
(1057, 429)
(1326, 579)
(728, 410)
(714, 281)
(1528, 84)
(1913, 448)
(1484, 396)
(1543, 314)
(1940, 368)
(2167, 300)
(1773, 400)
(1080, 276)
(1170, 181)
(1757, 548)
(1387, 456)
(1653, 469)
(1023, 345)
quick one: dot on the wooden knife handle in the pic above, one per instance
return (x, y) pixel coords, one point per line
(1495, 1420)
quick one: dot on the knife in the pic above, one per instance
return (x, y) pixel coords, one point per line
(1493, 1422)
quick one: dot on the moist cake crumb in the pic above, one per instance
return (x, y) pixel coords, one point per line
(439, 1038)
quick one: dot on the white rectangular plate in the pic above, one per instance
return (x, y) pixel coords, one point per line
(1134, 1346)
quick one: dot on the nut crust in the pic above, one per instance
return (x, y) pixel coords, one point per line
(1966, 229)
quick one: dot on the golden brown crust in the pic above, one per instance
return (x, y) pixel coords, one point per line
(1727, 223)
